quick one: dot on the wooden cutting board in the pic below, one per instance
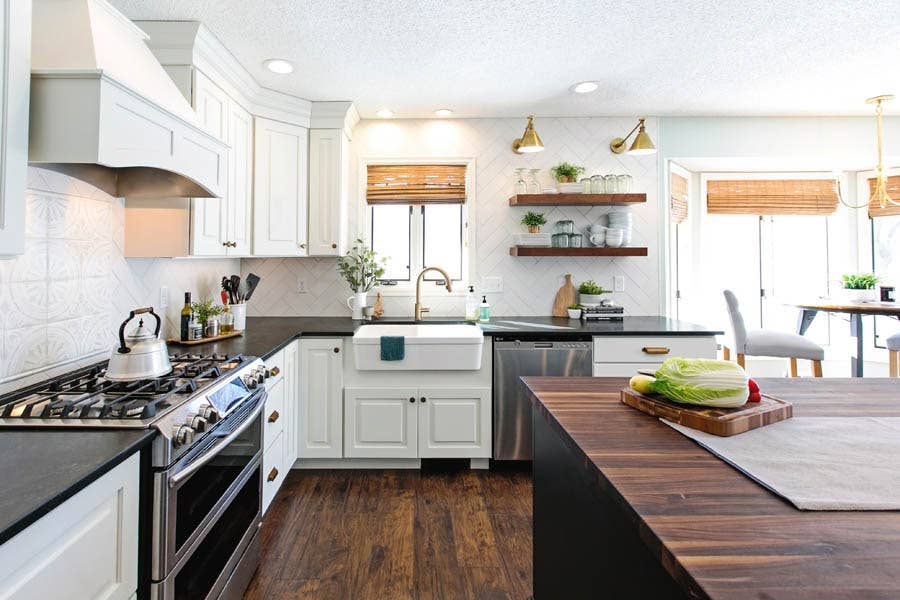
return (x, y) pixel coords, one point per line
(565, 297)
(223, 336)
(717, 421)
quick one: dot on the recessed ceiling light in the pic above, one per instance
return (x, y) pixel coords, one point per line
(279, 65)
(384, 113)
(443, 112)
(585, 87)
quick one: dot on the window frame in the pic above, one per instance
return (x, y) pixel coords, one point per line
(417, 249)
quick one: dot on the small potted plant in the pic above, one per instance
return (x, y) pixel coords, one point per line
(859, 287)
(574, 311)
(362, 269)
(206, 312)
(590, 293)
(566, 173)
(533, 221)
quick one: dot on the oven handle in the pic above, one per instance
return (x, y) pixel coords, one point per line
(176, 479)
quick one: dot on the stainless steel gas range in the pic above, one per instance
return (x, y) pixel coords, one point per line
(206, 460)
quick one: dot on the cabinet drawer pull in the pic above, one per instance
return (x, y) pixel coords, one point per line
(274, 371)
(422, 399)
(303, 245)
(413, 400)
(274, 416)
(272, 474)
(655, 350)
(334, 245)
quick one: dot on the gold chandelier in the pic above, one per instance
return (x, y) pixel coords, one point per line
(879, 194)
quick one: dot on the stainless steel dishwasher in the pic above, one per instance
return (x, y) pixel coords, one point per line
(514, 358)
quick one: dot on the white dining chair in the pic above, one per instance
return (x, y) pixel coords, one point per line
(893, 346)
(763, 342)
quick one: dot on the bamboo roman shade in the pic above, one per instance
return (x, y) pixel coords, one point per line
(678, 198)
(416, 184)
(893, 189)
(771, 197)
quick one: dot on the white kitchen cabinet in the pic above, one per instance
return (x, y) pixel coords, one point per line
(279, 418)
(408, 422)
(623, 356)
(320, 418)
(281, 154)
(381, 423)
(454, 423)
(328, 180)
(208, 214)
(85, 548)
(273, 471)
(239, 203)
(15, 54)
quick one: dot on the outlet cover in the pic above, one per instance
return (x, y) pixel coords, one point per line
(163, 297)
(301, 286)
(491, 285)
(619, 283)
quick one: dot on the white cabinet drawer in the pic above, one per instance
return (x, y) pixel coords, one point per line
(273, 413)
(275, 364)
(623, 369)
(627, 349)
(273, 471)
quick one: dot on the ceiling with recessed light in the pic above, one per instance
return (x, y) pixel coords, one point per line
(694, 57)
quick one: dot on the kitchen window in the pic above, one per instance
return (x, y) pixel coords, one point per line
(418, 218)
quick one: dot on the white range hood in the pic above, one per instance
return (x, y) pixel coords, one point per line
(104, 110)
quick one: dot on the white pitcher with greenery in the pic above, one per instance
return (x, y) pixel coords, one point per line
(361, 268)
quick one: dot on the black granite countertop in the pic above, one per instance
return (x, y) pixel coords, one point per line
(43, 468)
(265, 336)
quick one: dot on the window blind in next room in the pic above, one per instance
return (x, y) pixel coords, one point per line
(771, 197)
(893, 190)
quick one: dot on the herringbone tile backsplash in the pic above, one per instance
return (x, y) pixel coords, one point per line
(529, 284)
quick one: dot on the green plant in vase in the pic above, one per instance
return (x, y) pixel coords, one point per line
(533, 221)
(859, 287)
(589, 292)
(566, 172)
(362, 269)
(206, 310)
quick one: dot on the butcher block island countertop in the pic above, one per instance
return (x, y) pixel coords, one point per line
(626, 507)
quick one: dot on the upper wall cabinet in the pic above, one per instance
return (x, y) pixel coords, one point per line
(15, 45)
(281, 160)
(328, 172)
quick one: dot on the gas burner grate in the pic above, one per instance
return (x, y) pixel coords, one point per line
(87, 394)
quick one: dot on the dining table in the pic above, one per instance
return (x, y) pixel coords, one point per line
(856, 312)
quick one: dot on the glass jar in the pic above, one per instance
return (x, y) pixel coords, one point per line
(576, 240)
(559, 240)
(597, 185)
(586, 185)
(565, 226)
(521, 187)
(611, 184)
(534, 185)
(226, 321)
(624, 184)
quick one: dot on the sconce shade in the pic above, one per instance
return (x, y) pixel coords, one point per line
(530, 141)
(642, 143)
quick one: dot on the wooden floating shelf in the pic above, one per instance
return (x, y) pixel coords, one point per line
(576, 199)
(591, 251)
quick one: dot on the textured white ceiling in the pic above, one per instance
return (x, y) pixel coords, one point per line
(490, 58)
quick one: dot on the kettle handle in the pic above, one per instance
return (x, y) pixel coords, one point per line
(123, 349)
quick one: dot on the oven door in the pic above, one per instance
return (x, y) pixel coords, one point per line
(210, 498)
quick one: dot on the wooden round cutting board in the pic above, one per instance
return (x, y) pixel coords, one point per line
(565, 297)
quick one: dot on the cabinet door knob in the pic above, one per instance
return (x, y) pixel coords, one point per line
(274, 416)
(333, 245)
(422, 399)
(272, 474)
(412, 400)
(303, 245)
(274, 371)
(336, 350)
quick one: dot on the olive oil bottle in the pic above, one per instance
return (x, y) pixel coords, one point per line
(186, 317)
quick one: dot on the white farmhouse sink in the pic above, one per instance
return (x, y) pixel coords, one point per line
(430, 347)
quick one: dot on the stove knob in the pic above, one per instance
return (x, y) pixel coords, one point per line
(207, 412)
(266, 373)
(250, 381)
(196, 422)
(182, 435)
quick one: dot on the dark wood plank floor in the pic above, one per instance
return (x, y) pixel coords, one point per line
(397, 534)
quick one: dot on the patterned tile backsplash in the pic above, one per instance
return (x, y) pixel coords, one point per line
(529, 284)
(62, 300)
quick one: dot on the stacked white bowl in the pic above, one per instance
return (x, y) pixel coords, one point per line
(619, 220)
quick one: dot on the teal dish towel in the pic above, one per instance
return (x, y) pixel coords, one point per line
(393, 347)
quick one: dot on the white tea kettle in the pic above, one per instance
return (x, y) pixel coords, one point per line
(141, 355)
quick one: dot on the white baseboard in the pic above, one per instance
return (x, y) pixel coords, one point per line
(357, 463)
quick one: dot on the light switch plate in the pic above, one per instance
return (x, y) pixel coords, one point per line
(301, 286)
(163, 297)
(491, 285)
(619, 283)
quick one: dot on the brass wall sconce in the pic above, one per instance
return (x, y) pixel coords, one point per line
(530, 141)
(642, 143)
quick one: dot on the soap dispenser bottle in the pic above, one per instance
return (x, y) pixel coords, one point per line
(471, 305)
(484, 310)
